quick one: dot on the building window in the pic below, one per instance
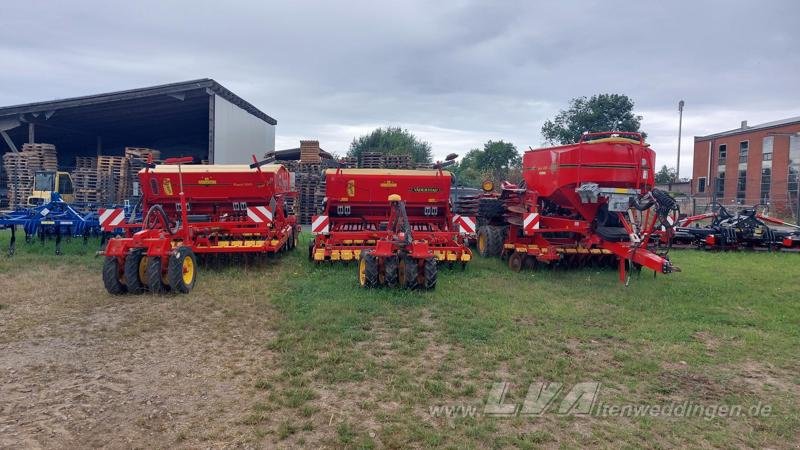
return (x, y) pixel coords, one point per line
(723, 153)
(766, 168)
(741, 185)
(766, 181)
(766, 148)
(721, 183)
(794, 169)
(744, 148)
(701, 184)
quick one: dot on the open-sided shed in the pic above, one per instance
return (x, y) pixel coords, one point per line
(200, 118)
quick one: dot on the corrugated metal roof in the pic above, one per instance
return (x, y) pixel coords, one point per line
(763, 126)
(132, 94)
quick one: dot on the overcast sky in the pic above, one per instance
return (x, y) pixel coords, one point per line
(455, 73)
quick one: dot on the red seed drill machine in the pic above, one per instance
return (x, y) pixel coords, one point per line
(590, 203)
(397, 224)
(197, 210)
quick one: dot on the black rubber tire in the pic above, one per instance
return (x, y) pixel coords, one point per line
(175, 270)
(495, 237)
(153, 277)
(111, 276)
(410, 273)
(530, 262)
(491, 209)
(390, 271)
(430, 271)
(311, 250)
(132, 280)
(369, 265)
(515, 261)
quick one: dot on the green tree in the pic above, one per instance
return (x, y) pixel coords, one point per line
(665, 175)
(603, 112)
(391, 141)
(496, 161)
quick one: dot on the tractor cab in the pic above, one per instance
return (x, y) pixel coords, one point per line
(47, 182)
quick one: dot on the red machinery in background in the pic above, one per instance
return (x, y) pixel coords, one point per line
(196, 210)
(396, 223)
(590, 203)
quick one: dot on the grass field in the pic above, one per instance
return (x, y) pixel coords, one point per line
(290, 354)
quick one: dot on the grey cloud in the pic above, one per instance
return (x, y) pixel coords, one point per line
(470, 68)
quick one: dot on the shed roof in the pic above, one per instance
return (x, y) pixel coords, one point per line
(172, 89)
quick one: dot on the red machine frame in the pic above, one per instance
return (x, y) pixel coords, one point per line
(605, 176)
(396, 223)
(356, 215)
(198, 210)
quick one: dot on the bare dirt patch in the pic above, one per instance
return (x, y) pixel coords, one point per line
(84, 369)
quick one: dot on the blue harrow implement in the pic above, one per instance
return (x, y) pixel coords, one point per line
(56, 218)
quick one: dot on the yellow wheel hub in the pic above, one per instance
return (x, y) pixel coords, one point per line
(143, 268)
(188, 270)
(362, 271)
(481, 242)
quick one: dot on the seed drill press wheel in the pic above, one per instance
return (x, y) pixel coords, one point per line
(515, 261)
(113, 276)
(368, 270)
(156, 280)
(136, 270)
(409, 273)
(390, 271)
(430, 271)
(182, 270)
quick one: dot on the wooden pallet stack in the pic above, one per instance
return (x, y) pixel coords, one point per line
(348, 162)
(307, 179)
(3, 187)
(371, 160)
(319, 196)
(398, 162)
(93, 186)
(20, 168)
(41, 156)
(309, 152)
(116, 167)
(86, 162)
(137, 160)
(19, 180)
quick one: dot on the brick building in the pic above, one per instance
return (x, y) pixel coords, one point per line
(750, 165)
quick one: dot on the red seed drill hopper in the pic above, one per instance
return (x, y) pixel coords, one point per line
(198, 210)
(396, 223)
(590, 203)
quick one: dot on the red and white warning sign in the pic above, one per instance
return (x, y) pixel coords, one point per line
(320, 224)
(259, 214)
(110, 218)
(530, 223)
(464, 223)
